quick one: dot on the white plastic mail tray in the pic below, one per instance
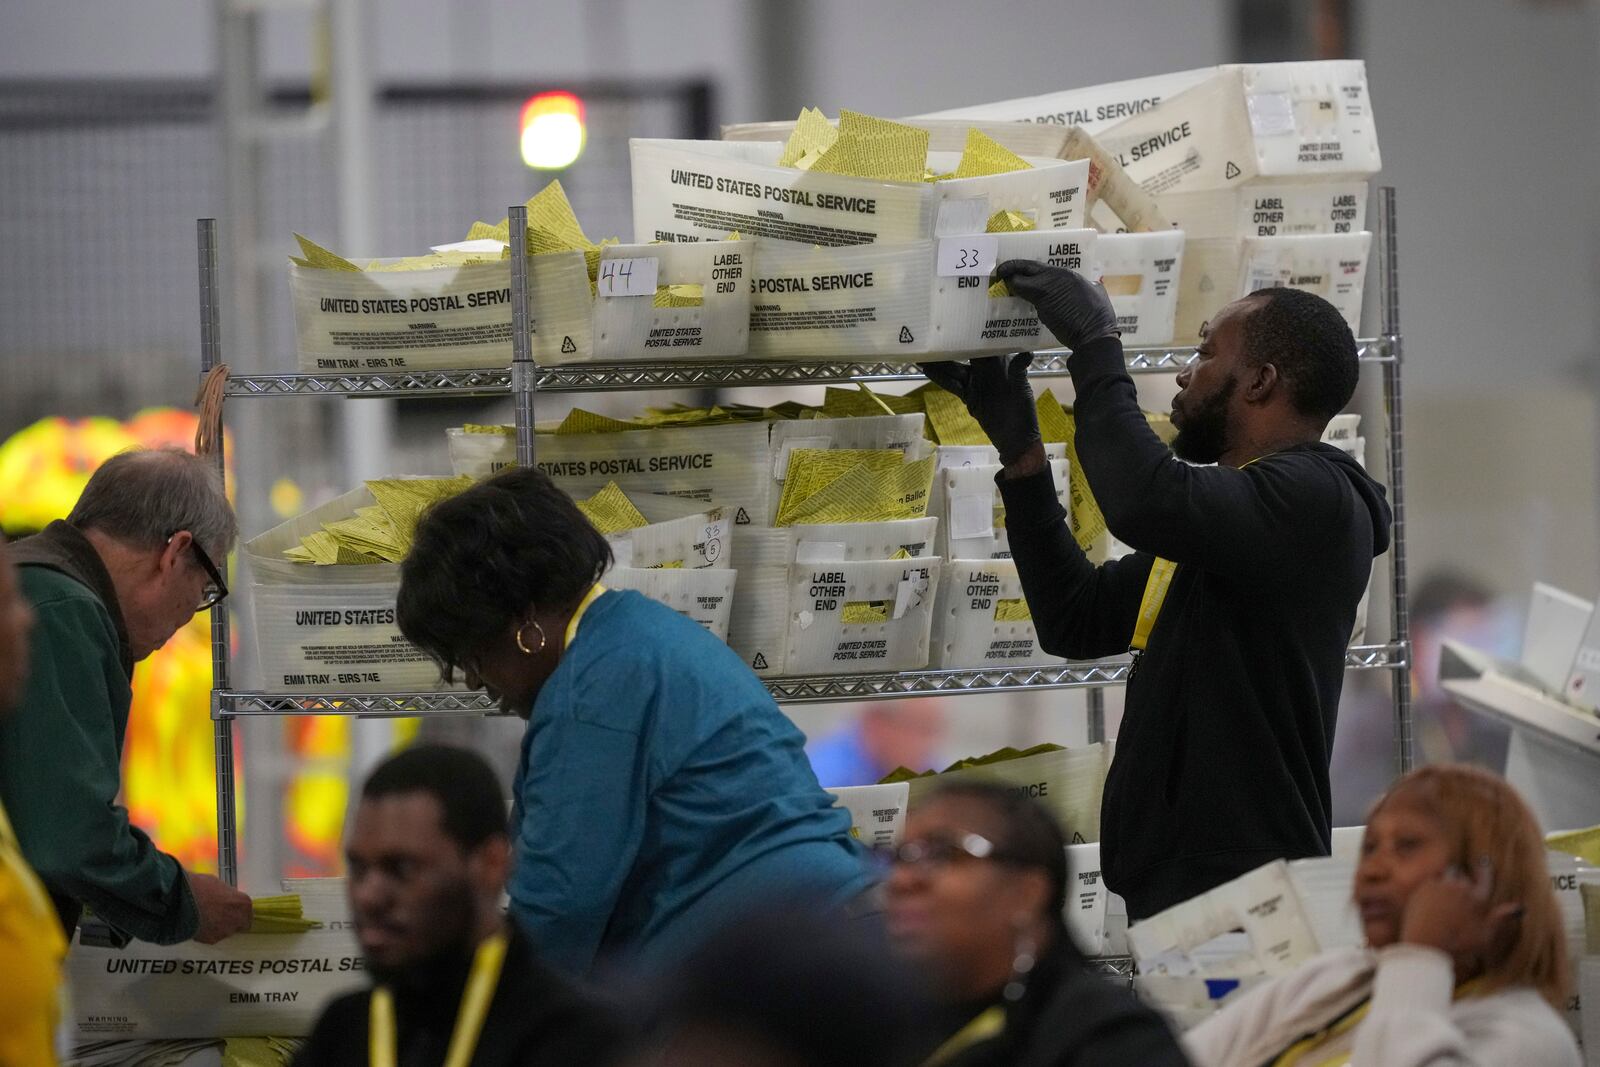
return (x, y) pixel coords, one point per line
(678, 535)
(1262, 121)
(759, 620)
(1269, 210)
(1140, 272)
(722, 465)
(247, 984)
(354, 322)
(967, 499)
(895, 596)
(821, 303)
(620, 322)
(330, 628)
(1219, 270)
(1557, 621)
(837, 542)
(877, 812)
(457, 317)
(969, 632)
(900, 432)
(1214, 127)
(1333, 266)
(705, 595)
(967, 320)
(686, 191)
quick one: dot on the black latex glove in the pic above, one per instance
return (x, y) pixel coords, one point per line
(1072, 307)
(997, 393)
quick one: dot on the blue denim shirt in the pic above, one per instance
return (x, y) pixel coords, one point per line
(659, 793)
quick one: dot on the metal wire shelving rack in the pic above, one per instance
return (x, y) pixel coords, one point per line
(524, 379)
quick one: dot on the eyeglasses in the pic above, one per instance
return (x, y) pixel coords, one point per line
(936, 853)
(216, 589)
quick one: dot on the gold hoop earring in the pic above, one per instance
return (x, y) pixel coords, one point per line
(526, 651)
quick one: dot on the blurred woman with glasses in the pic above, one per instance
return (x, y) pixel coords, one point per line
(975, 899)
(1465, 960)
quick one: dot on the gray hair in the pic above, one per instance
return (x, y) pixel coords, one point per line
(144, 496)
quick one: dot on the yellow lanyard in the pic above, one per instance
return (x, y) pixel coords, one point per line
(988, 1024)
(577, 616)
(382, 1036)
(1342, 1025)
(1155, 592)
(1155, 595)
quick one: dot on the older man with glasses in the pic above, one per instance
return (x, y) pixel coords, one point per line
(140, 554)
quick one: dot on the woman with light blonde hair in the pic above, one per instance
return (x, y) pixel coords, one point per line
(1465, 960)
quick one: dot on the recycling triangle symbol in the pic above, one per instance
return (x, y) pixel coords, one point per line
(1077, 838)
(1206, 284)
(1232, 171)
(567, 345)
(742, 518)
(905, 335)
(759, 663)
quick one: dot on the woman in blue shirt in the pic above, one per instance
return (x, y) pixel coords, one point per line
(660, 791)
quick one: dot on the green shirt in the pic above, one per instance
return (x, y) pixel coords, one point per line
(60, 765)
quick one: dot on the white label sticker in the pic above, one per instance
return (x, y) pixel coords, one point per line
(714, 537)
(819, 552)
(965, 215)
(1271, 114)
(780, 468)
(910, 593)
(972, 516)
(628, 277)
(966, 257)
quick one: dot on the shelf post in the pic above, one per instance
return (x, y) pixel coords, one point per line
(1389, 295)
(221, 723)
(1096, 699)
(522, 365)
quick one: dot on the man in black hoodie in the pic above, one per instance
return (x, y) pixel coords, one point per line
(1240, 597)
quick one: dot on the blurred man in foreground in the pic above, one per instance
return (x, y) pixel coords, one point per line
(455, 980)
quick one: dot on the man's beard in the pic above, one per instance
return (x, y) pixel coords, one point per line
(1203, 438)
(447, 960)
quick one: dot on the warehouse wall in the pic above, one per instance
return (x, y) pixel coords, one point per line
(1486, 111)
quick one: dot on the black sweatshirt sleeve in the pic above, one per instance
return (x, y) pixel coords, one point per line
(1079, 610)
(1253, 524)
